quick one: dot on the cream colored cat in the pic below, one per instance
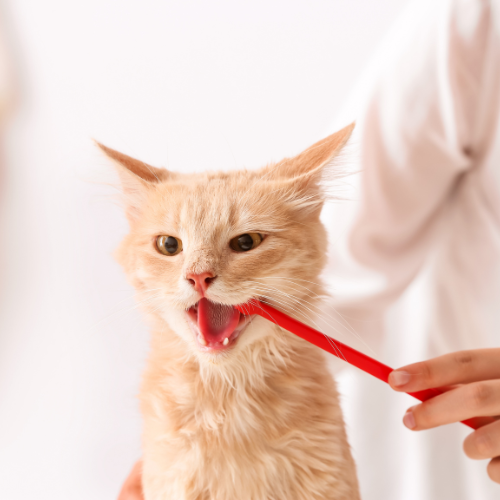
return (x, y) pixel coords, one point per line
(234, 407)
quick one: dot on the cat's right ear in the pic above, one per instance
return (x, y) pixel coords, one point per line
(137, 178)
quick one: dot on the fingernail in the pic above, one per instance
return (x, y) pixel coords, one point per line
(409, 420)
(399, 379)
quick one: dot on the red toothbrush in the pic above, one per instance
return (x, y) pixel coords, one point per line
(342, 351)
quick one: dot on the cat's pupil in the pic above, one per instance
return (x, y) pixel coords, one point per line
(245, 242)
(171, 245)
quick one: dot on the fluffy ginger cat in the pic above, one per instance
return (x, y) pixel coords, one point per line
(234, 407)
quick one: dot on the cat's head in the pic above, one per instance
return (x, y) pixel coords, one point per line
(201, 243)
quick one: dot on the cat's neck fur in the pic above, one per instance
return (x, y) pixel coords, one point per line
(208, 387)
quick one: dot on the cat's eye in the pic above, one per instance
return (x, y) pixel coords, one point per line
(246, 242)
(168, 245)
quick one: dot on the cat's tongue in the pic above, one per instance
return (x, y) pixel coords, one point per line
(216, 322)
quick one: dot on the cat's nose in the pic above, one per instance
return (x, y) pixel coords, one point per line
(201, 281)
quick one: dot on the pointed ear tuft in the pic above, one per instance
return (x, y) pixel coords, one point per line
(140, 169)
(300, 178)
(314, 158)
(137, 179)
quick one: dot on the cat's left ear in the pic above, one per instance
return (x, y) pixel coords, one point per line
(136, 177)
(300, 178)
(309, 163)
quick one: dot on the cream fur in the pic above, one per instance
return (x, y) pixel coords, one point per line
(261, 421)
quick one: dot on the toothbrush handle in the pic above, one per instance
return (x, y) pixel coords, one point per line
(342, 351)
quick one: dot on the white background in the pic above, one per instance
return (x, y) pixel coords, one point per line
(188, 85)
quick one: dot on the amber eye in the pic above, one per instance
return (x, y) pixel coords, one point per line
(246, 242)
(168, 245)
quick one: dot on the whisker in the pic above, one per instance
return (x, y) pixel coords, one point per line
(328, 338)
(295, 301)
(344, 324)
(126, 309)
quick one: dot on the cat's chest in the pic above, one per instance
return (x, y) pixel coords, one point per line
(219, 416)
(225, 414)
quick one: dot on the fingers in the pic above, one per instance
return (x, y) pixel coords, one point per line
(468, 401)
(457, 368)
(132, 489)
(479, 370)
(484, 442)
(494, 470)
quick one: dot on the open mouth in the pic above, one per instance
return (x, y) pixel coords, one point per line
(216, 326)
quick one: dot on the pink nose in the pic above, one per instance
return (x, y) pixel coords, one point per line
(200, 281)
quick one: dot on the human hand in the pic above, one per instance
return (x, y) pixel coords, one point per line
(132, 488)
(475, 391)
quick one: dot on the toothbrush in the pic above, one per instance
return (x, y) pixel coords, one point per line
(342, 351)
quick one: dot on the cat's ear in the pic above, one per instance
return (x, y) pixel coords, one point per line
(137, 178)
(301, 177)
(310, 162)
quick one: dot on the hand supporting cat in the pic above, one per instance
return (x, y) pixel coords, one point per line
(234, 406)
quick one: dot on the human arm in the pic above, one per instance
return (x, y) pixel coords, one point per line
(423, 136)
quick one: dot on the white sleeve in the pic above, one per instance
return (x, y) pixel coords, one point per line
(417, 135)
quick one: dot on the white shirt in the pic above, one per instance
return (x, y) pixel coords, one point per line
(418, 272)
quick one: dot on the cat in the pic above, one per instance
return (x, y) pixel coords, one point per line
(234, 407)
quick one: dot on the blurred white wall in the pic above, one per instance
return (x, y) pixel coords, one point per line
(188, 85)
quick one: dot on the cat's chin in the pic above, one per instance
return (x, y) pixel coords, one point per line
(222, 342)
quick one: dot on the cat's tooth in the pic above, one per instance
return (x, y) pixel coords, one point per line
(202, 340)
(226, 341)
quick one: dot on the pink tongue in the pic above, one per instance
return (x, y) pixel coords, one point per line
(216, 321)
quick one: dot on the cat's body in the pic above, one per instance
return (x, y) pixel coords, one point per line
(280, 437)
(233, 406)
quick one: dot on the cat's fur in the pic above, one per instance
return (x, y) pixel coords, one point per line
(260, 421)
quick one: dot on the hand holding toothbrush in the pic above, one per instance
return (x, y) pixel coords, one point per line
(474, 378)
